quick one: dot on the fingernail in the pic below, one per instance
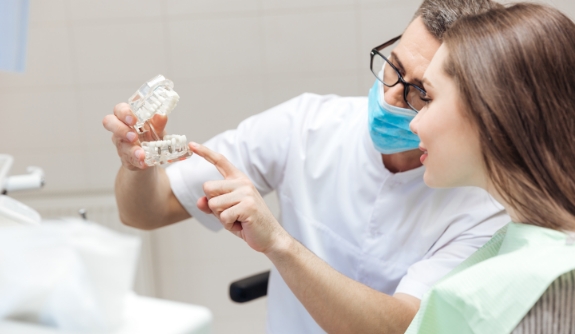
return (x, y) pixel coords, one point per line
(138, 153)
(131, 136)
(194, 144)
(129, 120)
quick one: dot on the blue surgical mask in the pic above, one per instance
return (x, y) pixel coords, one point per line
(389, 125)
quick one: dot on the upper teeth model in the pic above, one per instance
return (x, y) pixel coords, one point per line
(157, 97)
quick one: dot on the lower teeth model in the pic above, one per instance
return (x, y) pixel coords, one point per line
(157, 97)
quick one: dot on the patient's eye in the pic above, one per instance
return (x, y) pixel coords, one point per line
(424, 96)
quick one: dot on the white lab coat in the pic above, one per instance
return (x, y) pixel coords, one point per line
(388, 231)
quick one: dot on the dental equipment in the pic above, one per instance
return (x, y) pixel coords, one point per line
(13, 212)
(157, 97)
(33, 180)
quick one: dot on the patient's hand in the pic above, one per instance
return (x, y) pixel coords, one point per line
(238, 205)
(125, 137)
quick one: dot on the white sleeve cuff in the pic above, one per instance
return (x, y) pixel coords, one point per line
(188, 198)
(412, 287)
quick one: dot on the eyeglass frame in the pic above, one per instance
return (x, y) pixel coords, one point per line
(405, 84)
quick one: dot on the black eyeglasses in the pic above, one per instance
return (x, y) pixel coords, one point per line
(413, 95)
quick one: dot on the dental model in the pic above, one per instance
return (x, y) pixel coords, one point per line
(157, 97)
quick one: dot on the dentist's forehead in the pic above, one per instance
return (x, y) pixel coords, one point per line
(415, 50)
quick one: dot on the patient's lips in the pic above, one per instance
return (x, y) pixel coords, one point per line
(424, 155)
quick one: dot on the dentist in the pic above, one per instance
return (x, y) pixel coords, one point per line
(361, 238)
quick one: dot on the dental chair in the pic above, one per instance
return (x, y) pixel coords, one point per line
(249, 288)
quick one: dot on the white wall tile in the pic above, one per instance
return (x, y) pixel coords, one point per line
(310, 42)
(48, 59)
(39, 119)
(64, 168)
(566, 6)
(208, 107)
(249, 322)
(215, 47)
(43, 11)
(119, 52)
(102, 165)
(284, 87)
(179, 7)
(378, 25)
(95, 102)
(366, 81)
(114, 9)
(282, 4)
(388, 3)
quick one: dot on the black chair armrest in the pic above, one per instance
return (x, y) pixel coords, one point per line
(250, 288)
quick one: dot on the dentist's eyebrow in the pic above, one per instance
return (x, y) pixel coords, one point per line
(398, 62)
(400, 67)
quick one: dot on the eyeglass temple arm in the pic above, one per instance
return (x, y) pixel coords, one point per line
(388, 43)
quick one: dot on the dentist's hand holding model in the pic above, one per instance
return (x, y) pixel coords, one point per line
(126, 139)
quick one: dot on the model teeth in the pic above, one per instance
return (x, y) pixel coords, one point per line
(157, 97)
(171, 148)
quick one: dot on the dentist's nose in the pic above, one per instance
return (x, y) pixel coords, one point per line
(394, 96)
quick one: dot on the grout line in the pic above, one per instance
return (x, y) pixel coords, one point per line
(74, 65)
(265, 77)
(216, 15)
(358, 44)
(166, 39)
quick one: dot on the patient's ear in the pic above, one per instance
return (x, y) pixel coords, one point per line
(203, 205)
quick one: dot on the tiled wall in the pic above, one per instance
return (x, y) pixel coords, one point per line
(229, 59)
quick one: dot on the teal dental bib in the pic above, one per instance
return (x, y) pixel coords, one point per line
(494, 288)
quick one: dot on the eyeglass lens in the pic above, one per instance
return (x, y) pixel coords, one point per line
(390, 77)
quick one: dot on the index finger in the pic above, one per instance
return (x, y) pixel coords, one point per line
(218, 160)
(125, 114)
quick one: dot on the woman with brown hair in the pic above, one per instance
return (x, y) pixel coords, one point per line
(500, 115)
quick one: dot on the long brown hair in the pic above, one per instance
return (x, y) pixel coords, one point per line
(515, 68)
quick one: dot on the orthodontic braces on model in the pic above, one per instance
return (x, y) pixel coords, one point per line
(157, 97)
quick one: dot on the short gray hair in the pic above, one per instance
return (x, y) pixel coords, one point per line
(439, 15)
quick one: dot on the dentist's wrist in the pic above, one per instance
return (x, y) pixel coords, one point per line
(282, 245)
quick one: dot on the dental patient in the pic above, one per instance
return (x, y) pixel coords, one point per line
(499, 115)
